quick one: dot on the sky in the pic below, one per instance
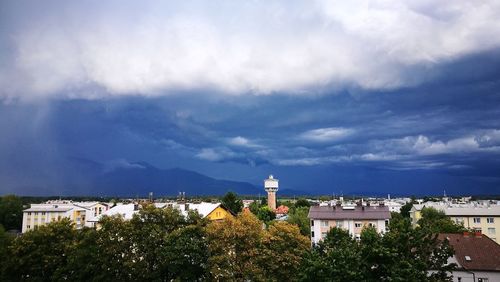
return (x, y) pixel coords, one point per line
(331, 97)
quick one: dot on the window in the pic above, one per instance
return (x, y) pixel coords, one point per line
(324, 223)
(490, 220)
(459, 220)
(371, 224)
(28, 226)
(339, 224)
(312, 222)
(357, 224)
(491, 231)
(482, 279)
(29, 213)
(477, 220)
(36, 213)
(312, 234)
(43, 213)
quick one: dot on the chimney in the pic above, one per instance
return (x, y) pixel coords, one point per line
(466, 233)
(477, 233)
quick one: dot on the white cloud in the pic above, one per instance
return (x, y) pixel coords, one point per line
(215, 154)
(77, 49)
(326, 134)
(239, 141)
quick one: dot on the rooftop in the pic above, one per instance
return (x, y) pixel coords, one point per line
(474, 252)
(353, 212)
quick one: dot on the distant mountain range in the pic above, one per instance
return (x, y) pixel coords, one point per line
(139, 178)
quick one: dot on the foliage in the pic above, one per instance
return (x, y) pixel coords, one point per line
(234, 245)
(11, 212)
(402, 254)
(302, 203)
(265, 214)
(406, 208)
(232, 202)
(39, 254)
(255, 206)
(5, 242)
(336, 258)
(282, 252)
(298, 216)
(437, 222)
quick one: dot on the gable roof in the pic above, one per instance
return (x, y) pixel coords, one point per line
(357, 212)
(484, 253)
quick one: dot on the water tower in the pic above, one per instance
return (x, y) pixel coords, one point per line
(271, 187)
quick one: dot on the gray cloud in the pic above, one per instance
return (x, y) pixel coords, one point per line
(95, 49)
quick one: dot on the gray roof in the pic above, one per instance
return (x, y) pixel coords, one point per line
(48, 209)
(358, 212)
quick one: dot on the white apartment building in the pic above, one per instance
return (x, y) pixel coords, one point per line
(50, 211)
(483, 218)
(350, 218)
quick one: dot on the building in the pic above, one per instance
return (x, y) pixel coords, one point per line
(350, 218)
(477, 257)
(271, 187)
(483, 218)
(42, 214)
(212, 211)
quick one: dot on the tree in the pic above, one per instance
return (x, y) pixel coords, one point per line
(187, 253)
(231, 201)
(150, 234)
(298, 216)
(406, 208)
(234, 245)
(282, 250)
(11, 212)
(39, 254)
(336, 258)
(5, 241)
(438, 222)
(416, 251)
(265, 214)
(302, 203)
(254, 207)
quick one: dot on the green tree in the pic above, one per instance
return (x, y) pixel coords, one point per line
(187, 253)
(336, 258)
(232, 202)
(11, 212)
(5, 241)
(416, 251)
(302, 203)
(438, 222)
(40, 254)
(265, 214)
(405, 209)
(298, 216)
(254, 207)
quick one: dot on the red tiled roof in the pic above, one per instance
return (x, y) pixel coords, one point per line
(484, 253)
(282, 210)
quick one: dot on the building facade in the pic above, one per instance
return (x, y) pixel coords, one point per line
(41, 214)
(350, 218)
(485, 219)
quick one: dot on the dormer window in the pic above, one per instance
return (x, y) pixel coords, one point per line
(467, 258)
